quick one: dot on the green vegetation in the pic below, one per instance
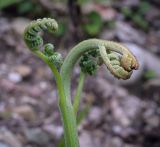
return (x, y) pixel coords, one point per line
(137, 15)
(150, 74)
(90, 52)
(7, 3)
(94, 24)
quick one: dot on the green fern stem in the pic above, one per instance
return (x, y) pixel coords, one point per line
(128, 61)
(120, 66)
(66, 109)
(78, 92)
(35, 42)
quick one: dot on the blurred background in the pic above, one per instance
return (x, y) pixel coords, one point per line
(119, 113)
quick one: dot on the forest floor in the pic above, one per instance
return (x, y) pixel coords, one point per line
(121, 114)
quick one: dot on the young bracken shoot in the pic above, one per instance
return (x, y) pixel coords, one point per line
(90, 54)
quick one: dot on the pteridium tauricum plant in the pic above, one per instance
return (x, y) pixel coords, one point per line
(90, 54)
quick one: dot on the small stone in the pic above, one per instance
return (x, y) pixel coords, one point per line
(108, 34)
(2, 144)
(153, 121)
(118, 114)
(14, 77)
(19, 25)
(28, 100)
(156, 1)
(131, 106)
(95, 115)
(130, 3)
(5, 26)
(37, 136)
(117, 142)
(107, 13)
(35, 91)
(5, 114)
(8, 139)
(23, 70)
(152, 14)
(117, 129)
(104, 88)
(128, 34)
(130, 145)
(86, 140)
(54, 131)
(121, 92)
(43, 85)
(26, 112)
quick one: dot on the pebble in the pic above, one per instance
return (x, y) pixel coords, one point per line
(8, 139)
(54, 131)
(128, 34)
(130, 3)
(106, 13)
(132, 106)
(35, 91)
(108, 34)
(23, 70)
(153, 121)
(14, 77)
(43, 85)
(26, 112)
(19, 24)
(29, 100)
(131, 145)
(95, 115)
(4, 145)
(114, 142)
(5, 26)
(85, 140)
(156, 1)
(119, 114)
(37, 136)
(150, 116)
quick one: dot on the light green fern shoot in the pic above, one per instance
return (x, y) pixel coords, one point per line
(90, 54)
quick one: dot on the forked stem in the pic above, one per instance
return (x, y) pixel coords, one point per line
(120, 67)
(65, 106)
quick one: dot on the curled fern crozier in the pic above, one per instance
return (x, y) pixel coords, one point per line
(31, 34)
(89, 53)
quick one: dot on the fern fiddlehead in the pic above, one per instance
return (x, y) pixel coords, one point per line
(90, 54)
(53, 59)
(124, 70)
(31, 37)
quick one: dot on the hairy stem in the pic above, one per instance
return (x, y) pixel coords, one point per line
(66, 108)
(78, 92)
(74, 56)
(120, 66)
(83, 47)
